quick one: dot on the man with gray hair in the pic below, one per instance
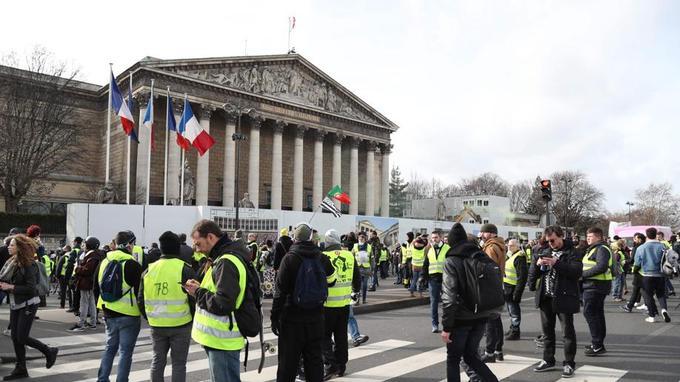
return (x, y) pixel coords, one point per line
(514, 281)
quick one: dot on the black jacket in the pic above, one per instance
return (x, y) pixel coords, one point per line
(4, 255)
(226, 278)
(280, 249)
(454, 312)
(569, 270)
(153, 255)
(601, 257)
(514, 292)
(282, 307)
(187, 274)
(24, 280)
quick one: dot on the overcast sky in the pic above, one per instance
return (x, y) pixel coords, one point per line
(520, 88)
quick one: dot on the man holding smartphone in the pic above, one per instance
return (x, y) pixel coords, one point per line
(558, 268)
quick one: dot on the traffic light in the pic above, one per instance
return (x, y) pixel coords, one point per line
(546, 190)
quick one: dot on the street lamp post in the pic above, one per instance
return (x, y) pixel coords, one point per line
(237, 137)
(629, 204)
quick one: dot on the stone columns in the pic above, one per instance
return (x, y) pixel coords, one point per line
(385, 197)
(203, 162)
(298, 168)
(317, 184)
(173, 159)
(228, 175)
(143, 161)
(277, 169)
(337, 163)
(370, 179)
(354, 176)
(254, 161)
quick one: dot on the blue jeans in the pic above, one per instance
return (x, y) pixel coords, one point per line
(364, 288)
(414, 281)
(375, 277)
(224, 365)
(465, 344)
(352, 325)
(515, 313)
(121, 333)
(617, 290)
(435, 298)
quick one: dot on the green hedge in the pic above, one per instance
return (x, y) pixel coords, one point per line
(49, 224)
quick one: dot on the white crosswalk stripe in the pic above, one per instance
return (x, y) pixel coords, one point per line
(587, 373)
(397, 368)
(269, 373)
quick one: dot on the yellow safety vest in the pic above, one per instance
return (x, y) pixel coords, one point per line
(406, 253)
(339, 294)
(367, 262)
(588, 264)
(214, 331)
(622, 260)
(128, 303)
(510, 270)
(48, 265)
(165, 303)
(418, 256)
(64, 264)
(198, 256)
(437, 261)
(138, 254)
(666, 244)
(528, 253)
(383, 255)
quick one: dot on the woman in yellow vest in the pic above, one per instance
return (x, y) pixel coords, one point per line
(168, 308)
(362, 255)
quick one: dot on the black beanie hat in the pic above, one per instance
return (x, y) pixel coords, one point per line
(169, 243)
(457, 235)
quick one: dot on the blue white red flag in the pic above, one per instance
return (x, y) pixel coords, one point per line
(192, 130)
(120, 107)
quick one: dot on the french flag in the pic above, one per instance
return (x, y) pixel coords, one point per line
(120, 107)
(191, 130)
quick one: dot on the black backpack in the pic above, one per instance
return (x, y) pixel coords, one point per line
(249, 315)
(311, 288)
(483, 289)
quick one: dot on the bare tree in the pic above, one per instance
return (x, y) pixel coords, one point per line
(38, 136)
(656, 205)
(417, 188)
(520, 196)
(576, 202)
(485, 184)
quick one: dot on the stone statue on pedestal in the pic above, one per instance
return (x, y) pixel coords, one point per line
(107, 195)
(189, 185)
(246, 202)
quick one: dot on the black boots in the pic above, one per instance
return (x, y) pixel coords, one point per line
(51, 357)
(18, 373)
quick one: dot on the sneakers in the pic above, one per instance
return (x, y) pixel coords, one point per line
(7, 332)
(512, 336)
(18, 373)
(626, 309)
(435, 329)
(76, 328)
(51, 357)
(568, 371)
(544, 366)
(641, 307)
(330, 372)
(498, 355)
(651, 320)
(666, 316)
(592, 352)
(489, 358)
(90, 326)
(359, 340)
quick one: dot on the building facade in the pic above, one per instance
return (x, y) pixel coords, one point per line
(304, 133)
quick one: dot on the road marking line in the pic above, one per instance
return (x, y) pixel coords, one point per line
(269, 373)
(511, 365)
(587, 373)
(397, 368)
(84, 338)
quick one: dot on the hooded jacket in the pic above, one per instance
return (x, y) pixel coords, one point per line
(282, 308)
(225, 276)
(280, 249)
(454, 311)
(496, 250)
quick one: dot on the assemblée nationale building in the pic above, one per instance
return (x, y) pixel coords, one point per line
(305, 133)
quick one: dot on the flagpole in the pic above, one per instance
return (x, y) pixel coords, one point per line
(148, 168)
(288, 51)
(314, 214)
(181, 186)
(127, 187)
(165, 178)
(108, 127)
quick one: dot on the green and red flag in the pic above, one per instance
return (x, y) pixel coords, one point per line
(338, 194)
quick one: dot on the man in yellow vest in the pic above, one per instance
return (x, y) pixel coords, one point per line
(434, 263)
(168, 308)
(121, 312)
(417, 262)
(362, 255)
(218, 296)
(405, 264)
(336, 312)
(597, 282)
(138, 252)
(514, 281)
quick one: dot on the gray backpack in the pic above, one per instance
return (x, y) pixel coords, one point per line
(43, 284)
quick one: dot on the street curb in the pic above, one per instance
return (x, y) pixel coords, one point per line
(391, 305)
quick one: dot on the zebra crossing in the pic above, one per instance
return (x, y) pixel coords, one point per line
(375, 361)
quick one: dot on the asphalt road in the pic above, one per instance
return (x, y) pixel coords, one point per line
(401, 348)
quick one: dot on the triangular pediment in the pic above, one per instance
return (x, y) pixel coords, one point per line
(289, 78)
